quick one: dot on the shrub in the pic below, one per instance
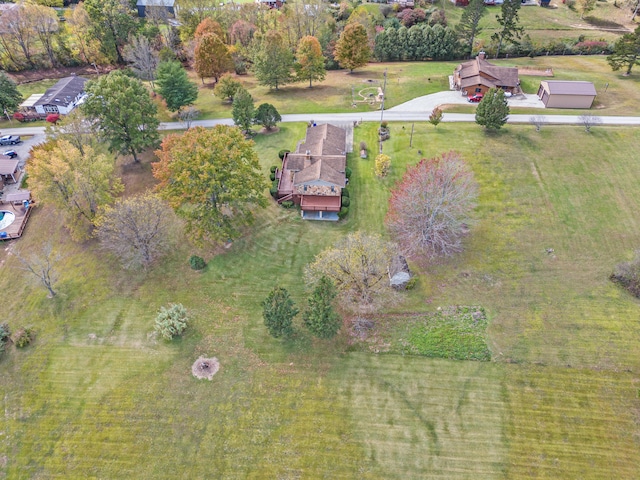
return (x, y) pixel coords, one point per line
(344, 211)
(384, 124)
(345, 192)
(197, 263)
(272, 176)
(411, 284)
(627, 275)
(287, 204)
(23, 337)
(273, 191)
(382, 166)
(345, 201)
(171, 322)
(348, 172)
(5, 332)
(53, 118)
(363, 146)
(282, 152)
(273, 168)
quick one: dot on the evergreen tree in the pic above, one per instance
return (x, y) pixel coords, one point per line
(352, 50)
(626, 52)
(273, 61)
(243, 110)
(468, 27)
(10, 97)
(320, 317)
(278, 313)
(508, 20)
(493, 110)
(174, 86)
(309, 60)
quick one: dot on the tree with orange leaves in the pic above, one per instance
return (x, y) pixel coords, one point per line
(212, 178)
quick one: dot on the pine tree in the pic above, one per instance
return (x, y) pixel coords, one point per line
(468, 27)
(493, 110)
(508, 20)
(320, 317)
(278, 313)
(626, 52)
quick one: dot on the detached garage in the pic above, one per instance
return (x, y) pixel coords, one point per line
(566, 94)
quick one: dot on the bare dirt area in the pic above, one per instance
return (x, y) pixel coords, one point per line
(537, 72)
(137, 177)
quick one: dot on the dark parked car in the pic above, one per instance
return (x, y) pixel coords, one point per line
(10, 140)
(475, 98)
(10, 153)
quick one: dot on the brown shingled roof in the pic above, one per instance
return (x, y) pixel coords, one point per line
(481, 72)
(324, 140)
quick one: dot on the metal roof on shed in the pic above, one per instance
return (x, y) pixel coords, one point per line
(567, 87)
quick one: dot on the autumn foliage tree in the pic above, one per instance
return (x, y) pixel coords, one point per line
(77, 183)
(212, 178)
(309, 60)
(352, 49)
(357, 265)
(429, 210)
(211, 57)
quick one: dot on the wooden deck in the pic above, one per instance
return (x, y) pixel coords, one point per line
(22, 216)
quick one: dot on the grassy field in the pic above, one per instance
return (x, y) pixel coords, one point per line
(99, 397)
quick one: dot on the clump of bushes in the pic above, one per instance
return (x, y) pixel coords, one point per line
(348, 172)
(172, 321)
(23, 337)
(197, 263)
(272, 176)
(287, 204)
(627, 275)
(274, 190)
(344, 211)
(282, 153)
(273, 168)
(345, 192)
(346, 201)
(5, 333)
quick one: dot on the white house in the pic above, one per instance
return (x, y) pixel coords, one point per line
(63, 97)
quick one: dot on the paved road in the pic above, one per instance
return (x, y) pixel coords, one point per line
(416, 110)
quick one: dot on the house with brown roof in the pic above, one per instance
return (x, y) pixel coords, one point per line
(478, 76)
(314, 175)
(566, 94)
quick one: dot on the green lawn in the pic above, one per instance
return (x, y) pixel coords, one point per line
(97, 396)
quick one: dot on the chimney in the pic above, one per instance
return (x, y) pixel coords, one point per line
(308, 154)
(482, 55)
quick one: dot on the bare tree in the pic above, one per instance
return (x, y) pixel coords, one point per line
(538, 121)
(429, 211)
(589, 120)
(142, 57)
(45, 23)
(357, 265)
(41, 265)
(17, 31)
(187, 115)
(138, 230)
(75, 128)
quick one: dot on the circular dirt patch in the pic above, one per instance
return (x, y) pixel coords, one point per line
(205, 368)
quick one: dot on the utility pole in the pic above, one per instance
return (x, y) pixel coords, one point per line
(384, 94)
(411, 140)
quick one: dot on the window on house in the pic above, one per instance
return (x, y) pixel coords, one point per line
(478, 90)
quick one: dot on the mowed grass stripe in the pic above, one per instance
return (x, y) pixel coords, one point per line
(572, 423)
(427, 418)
